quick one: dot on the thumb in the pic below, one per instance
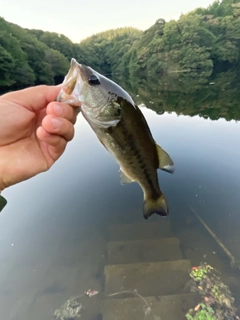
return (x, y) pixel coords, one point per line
(34, 98)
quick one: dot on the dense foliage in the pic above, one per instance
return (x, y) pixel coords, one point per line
(29, 57)
(26, 61)
(202, 39)
(174, 60)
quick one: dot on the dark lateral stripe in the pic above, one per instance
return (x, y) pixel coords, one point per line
(129, 140)
(154, 192)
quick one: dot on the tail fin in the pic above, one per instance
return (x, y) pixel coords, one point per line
(158, 206)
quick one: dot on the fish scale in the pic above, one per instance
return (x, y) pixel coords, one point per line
(122, 129)
(150, 176)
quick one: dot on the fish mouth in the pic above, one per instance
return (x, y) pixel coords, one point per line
(72, 85)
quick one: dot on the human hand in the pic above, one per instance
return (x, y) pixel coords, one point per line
(34, 132)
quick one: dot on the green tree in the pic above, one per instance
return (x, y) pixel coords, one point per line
(21, 73)
(6, 68)
(55, 41)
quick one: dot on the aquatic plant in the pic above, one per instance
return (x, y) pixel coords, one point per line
(202, 313)
(217, 302)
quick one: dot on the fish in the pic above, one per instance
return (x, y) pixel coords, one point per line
(122, 129)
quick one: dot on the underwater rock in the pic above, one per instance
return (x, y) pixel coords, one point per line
(70, 310)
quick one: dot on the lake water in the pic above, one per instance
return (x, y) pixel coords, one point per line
(55, 228)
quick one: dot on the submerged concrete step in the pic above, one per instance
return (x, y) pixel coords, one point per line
(140, 231)
(135, 251)
(171, 307)
(149, 279)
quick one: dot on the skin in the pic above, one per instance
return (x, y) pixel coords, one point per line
(34, 132)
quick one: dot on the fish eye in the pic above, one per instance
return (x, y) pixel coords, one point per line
(94, 80)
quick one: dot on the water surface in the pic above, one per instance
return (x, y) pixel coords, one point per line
(54, 230)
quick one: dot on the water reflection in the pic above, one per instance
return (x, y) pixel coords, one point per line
(54, 230)
(209, 96)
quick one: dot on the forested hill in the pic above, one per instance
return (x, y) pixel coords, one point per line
(204, 39)
(29, 57)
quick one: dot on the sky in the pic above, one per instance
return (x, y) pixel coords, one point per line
(78, 19)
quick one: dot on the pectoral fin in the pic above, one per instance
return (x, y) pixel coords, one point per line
(124, 178)
(165, 161)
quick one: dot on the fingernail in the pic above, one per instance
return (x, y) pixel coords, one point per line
(58, 109)
(56, 123)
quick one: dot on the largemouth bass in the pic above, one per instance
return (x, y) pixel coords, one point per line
(121, 127)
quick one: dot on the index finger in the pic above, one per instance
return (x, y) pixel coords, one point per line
(34, 98)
